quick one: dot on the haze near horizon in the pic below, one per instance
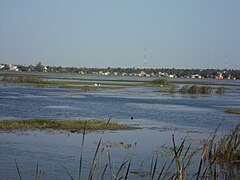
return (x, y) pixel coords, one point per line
(176, 34)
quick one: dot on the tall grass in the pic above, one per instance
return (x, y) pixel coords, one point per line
(227, 151)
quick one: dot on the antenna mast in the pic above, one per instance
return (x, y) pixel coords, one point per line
(145, 58)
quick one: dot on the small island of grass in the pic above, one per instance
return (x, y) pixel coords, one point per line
(70, 125)
(232, 111)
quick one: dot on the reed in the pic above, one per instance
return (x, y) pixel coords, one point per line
(227, 151)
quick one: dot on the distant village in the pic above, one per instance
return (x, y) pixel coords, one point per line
(148, 72)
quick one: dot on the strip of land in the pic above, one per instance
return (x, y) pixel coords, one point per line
(70, 125)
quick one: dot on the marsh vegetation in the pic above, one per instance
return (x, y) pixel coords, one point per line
(194, 89)
(73, 125)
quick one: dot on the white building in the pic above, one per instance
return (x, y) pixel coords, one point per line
(12, 67)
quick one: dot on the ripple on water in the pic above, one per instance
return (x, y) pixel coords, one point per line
(62, 107)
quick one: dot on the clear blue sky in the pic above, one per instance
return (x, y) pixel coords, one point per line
(102, 33)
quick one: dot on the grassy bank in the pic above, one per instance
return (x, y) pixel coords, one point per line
(72, 125)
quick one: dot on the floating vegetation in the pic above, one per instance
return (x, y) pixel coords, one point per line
(232, 111)
(71, 125)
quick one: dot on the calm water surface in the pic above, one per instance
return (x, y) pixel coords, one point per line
(160, 115)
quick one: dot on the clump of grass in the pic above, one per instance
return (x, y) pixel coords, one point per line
(27, 79)
(196, 89)
(72, 125)
(232, 111)
(162, 83)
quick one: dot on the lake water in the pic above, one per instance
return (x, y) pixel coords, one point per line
(158, 114)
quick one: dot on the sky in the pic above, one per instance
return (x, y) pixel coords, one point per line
(114, 33)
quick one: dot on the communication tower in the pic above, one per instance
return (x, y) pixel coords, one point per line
(145, 58)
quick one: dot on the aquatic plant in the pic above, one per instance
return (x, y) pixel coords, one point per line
(227, 150)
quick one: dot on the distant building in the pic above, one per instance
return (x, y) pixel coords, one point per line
(196, 76)
(2, 66)
(13, 67)
(219, 77)
(81, 72)
(107, 73)
(142, 73)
